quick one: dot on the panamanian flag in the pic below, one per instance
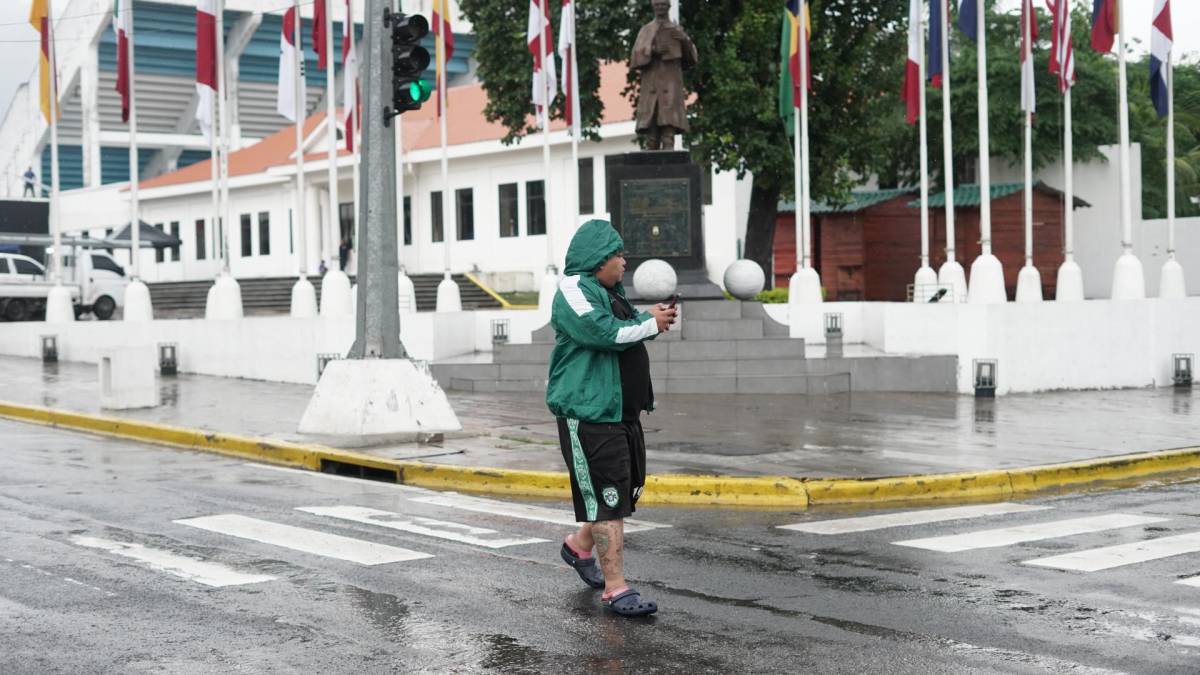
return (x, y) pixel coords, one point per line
(1161, 40)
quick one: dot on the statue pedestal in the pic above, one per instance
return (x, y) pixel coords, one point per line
(655, 201)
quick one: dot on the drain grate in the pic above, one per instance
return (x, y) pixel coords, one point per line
(351, 470)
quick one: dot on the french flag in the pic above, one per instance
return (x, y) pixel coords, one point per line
(1105, 24)
(1161, 40)
(967, 16)
(912, 70)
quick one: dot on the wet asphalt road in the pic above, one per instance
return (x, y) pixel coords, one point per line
(737, 593)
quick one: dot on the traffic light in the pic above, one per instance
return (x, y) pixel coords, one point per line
(409, 60)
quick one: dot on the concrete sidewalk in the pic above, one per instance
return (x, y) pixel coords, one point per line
(849, 435)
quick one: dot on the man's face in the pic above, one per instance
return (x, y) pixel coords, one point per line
(661, 8)
(612, 271)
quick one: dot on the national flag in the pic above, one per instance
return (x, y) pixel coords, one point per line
(566, 48)
(789, 58)
(1105, 24)
(1029, 35)
(285, 104)
(968, 17)
(938, 11)
(39, 17)
(206, 62)
(350, 93)
(123, 26)
(318, 34)
(1161, 41)
(1062, 54)
(441, 26)
(913, 89)
(544, 77)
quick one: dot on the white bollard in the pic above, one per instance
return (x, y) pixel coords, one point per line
(127, 378)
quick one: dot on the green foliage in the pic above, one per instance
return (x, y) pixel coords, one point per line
(773, 296)
(1146, 128)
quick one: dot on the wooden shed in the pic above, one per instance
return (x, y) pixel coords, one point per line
(870, 248)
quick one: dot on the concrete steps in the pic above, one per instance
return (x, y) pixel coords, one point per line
(273, 295)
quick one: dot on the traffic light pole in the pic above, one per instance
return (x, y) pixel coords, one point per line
(378, 316)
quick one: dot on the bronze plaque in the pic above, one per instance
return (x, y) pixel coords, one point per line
(654, 217)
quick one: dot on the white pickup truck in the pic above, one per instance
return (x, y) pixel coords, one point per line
(97, 284)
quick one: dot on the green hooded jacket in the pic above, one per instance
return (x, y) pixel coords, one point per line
(585, 378)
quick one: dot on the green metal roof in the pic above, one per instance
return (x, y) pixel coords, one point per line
(859, 201)
(968, 195)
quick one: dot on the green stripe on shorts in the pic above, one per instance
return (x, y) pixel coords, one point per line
(582, 475)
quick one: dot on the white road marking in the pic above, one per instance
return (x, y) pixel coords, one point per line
(200, 571)
(1007, 536)
(1190, 581)
(563, 516)
(329, 476)
(886, 520)
(307, 541)
(429, 527)
(1108, 557)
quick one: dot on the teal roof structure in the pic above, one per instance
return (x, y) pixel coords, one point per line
(967, 195)
(859, 201)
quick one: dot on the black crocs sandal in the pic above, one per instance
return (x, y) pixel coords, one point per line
(587, 568)
(630, 603)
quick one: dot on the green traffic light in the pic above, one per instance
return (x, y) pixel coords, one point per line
(419, 91)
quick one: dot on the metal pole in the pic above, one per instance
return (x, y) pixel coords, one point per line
(442, 85)
(1069, 168)
(548, 94)
(1123, 91)
(985, 171)
(805, 183)
(378, 317)
(1170, 156)
(301, 203)
(224, 145)
(331, 119)
(1027, 59)
(352, 125)
(135, 222)
(55, 224)
(924, 150)
(947, 142)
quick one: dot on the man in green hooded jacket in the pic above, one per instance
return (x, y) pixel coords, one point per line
(599, 384)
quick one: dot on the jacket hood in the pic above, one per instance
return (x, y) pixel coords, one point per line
(593, 243)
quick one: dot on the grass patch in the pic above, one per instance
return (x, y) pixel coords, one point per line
(520, 297)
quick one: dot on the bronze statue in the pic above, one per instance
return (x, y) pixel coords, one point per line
(661, 52)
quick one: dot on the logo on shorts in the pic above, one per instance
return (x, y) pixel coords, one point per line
(611, 496)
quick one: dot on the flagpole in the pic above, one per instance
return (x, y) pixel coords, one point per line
(1029, 282)
(55, 224)
(1129, 281)
(576, 113)
(1069, 176)
(987, 275)
(804, 288)
(134, 219)
(222, 108)
(356, 155)
(925, 275)
(331, 119)
(449, 296)
(951, 273)
(299, 103)
(1170, 156)
(547, 93)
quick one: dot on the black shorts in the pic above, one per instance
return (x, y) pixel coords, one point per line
(607, 463)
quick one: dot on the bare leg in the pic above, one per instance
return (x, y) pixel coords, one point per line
(609, 536)
(582, 540)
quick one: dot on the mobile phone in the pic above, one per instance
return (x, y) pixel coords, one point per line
(673, 300)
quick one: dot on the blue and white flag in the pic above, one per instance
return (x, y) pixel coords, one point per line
(1161, 38)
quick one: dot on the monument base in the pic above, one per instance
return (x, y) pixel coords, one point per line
(1069, 287)
(1029, 284)
(362, 402)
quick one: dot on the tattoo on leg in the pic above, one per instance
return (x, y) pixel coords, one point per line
(610, 544)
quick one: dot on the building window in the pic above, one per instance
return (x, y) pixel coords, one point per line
(264, 233)
(464, 215)
(159, 252)
(435, 215)
(408, 221)
(508, 210)
(175, 249)
(346, 223)
(587, 196)
(535, 207)
(247, 234)
(706, 179)
(201, 241)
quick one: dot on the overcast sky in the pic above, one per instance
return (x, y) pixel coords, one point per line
(18, 48)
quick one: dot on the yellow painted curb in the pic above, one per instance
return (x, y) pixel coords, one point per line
(663, 489)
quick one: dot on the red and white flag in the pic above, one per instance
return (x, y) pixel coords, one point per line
(123, 27)
(913, 89)
(544, 76)
(285, 104)
(1062, 54)
(349, 78)
(1028, 37)
(566, 52)
(206, 63)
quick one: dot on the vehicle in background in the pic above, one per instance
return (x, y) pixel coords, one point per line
(97, 284)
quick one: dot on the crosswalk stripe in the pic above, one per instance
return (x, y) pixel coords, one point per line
(429, 527)
(886, 520)
(200, 571)
(1108, 557)
(1007, 536)
(306, 541)
(1190, 581)
(524, 511)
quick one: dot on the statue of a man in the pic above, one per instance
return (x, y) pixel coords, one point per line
(661, 52)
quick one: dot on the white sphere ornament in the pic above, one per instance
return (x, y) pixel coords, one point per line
(744, 279)
(655, 280)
